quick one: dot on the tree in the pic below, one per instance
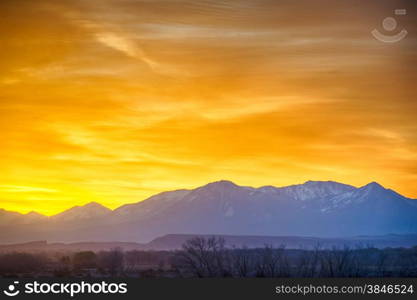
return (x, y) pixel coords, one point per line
(112, 261)
(243, 262)
(84, 259)
(272, 262)
(205, 257)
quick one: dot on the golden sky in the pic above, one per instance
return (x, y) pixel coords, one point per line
(115, 100)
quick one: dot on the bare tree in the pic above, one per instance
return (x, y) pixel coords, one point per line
(132, 260)
(205, 257)
(339, 262)
(112, 261)
(309, 262)
(84, 259)
(243, 262)
(272, 262)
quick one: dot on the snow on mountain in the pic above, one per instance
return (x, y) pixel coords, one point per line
(152, 205)
(312, 190)
(315, 208)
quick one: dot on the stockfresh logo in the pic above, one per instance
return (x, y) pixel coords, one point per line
(66, 288)
(12, 290)
(390, 24)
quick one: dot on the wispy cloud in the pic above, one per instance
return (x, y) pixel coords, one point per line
(25, 189)
(127, 43)
(125, 46)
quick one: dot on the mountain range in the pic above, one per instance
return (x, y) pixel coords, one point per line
(315, 208)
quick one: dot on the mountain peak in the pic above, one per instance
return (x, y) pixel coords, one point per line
(94, 204)
(222, 184)
(89, 210)
(373, 185)
(313, 190)
(34, 214)
(311, 182)
(322, 182)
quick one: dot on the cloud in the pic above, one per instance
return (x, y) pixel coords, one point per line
(125, 46)
(126, 43)
(99, 97)
(25, 189)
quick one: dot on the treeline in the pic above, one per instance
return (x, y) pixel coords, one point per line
(86, 264)
(202, 257)
(209, 257)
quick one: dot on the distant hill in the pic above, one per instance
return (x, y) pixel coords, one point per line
(315, 208)
(175, 241)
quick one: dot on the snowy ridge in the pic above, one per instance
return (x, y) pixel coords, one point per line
(315, 208)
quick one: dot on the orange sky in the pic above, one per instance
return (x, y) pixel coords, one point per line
(113, 101)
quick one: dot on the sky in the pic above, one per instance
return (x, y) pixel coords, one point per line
(116, 100)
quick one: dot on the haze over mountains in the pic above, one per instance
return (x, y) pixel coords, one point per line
(176, 241)
(315, 208)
